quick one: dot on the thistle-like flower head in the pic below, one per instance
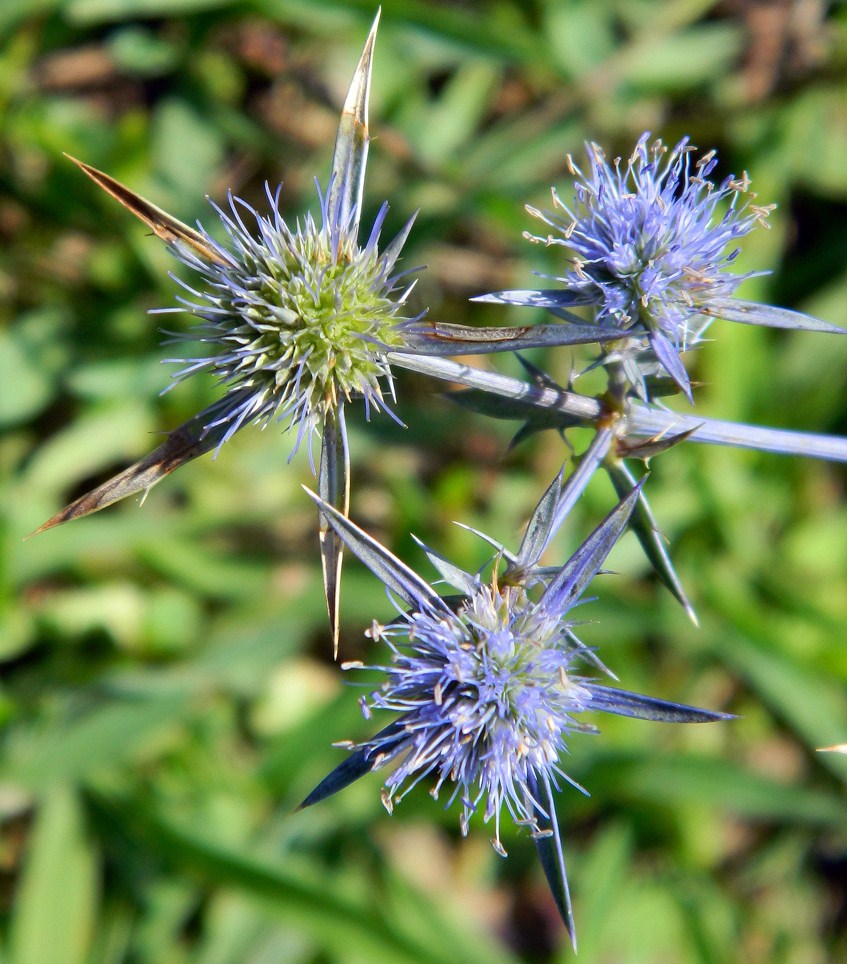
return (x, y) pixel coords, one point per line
(653, 242)
(487, 701)
(651, 247)
(482, 686)
(299, 318)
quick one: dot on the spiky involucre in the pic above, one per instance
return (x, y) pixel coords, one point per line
(300, 319)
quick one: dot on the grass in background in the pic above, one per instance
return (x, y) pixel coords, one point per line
(167, 695)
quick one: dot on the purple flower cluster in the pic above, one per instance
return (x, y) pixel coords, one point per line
(652, 242)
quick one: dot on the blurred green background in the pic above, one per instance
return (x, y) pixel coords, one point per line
(167, 694)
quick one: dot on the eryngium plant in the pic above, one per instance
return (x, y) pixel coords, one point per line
(483, 685)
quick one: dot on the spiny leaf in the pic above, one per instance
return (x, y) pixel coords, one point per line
(182, 445)
(168, 228)
(751, 313)
(580, 569)
(643, 524)
(357, 764)
(669, 357)
(559, 499)
(495, 406)
(334, 489)
(623, 703)
(350, 157)
(396, 575)
(647, 448)
(587, 465)
(434, 337)
(548, 845)
(538, 529)
(452, 574)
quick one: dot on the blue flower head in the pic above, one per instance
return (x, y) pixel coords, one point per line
(487, 700)
(652, 243)
(652, 246)
(300, 320)
(483, 687)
